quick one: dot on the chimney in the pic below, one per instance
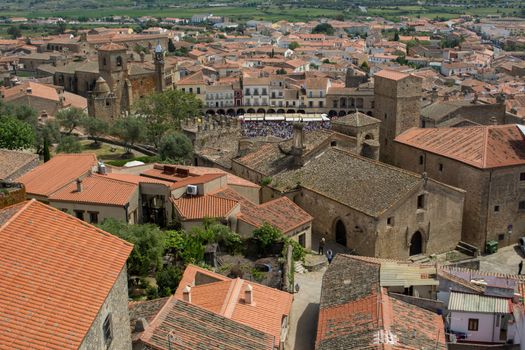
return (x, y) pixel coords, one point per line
(248, 295)
(79, 185)
(141, 325)
(298, 143)
(493, 121)
(186, 294)
(29, 90)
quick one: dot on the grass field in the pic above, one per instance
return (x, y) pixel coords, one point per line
(273, 13)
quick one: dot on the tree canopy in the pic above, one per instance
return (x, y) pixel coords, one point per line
(94, 127)
(165, 111)
(323, 28)
(70, 118)
(176, 147)
(130, 129)
(15, 134)
(69, 144)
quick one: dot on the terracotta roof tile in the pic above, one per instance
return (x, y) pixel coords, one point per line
(97, 189)
(200, 207)
(265, 315)
(58, 172)
(56, 272)
(195, 327)
(480, 146)
(11, 161)
(391, 74)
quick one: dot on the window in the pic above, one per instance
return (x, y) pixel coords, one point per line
(496, 208)
(385, 115)
(93, 217)
(310, 103)
(473, 324)
(79, 214)
(440, 166)
(522, 176)
(321, 104)
(421, 201)
(104, 62)
(191, 90)
(521, 205)
(106, 328)
(119, 61)
(390, 221)
(421, 160)
(501, 237)
(198, 90)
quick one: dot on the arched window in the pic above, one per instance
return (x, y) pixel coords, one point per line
(119, 61)
(104, 62)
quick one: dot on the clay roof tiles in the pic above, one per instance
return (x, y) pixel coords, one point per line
(200, 207)
(391, 74)
(56, 272)
(11, 161)
(264, 315)
(483, 147)
(97, 189)
(58, 172)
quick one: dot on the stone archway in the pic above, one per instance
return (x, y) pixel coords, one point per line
(240, 111)
(251, 110)
(280, 111)
(342, 113)
(261, 110)
(290, 111)
(416, 244)
(271, 110)
(210, 112)
(230, 112)
(332, 113)
(340, 232)
(221, 112)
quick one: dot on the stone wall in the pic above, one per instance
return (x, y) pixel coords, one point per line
(485, 190)
(115, 304)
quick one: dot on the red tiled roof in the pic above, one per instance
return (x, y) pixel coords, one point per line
(282, 213)
(265, 314)
(56, 272)
(97, 189)
(57, 172)
(480, 146)
(112, 47)
(207, 206)
(177, 180)
(391, 74)
(137, 179)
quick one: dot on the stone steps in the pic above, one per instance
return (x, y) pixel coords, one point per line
(419, 259)
(299, 268)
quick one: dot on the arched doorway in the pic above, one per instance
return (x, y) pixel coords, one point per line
(221, 112)
(251, 110)
(340, 233)
(332, 113)
(261, 111)
(342, 113)
(240, 111)
(416, 244)
(231, 112)
(271, 110)
(290, 111)
(280, 111)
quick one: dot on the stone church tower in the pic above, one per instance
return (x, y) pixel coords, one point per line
(113, 70)
(397, 103)
(158, 57)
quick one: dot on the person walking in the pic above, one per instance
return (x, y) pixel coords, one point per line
(329, 256)
(520, 267)
(321, 246)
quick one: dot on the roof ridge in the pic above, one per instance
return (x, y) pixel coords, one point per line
(485, 146)
(18, 212)
(231, 298)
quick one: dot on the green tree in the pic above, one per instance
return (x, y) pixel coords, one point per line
(14, 32)
(148, 245)
(94, 127)
(69, 144)
(15, 134)
(364, 66)
(280, 71)
(293, 45)
(171, 46)
(70, 118)
(323, 28)
(266, 236)
(60, 28)
(176, 147)
(165, 111)
(129, 129)
(396, 36)
(47, 154)
(48, 132)
(167, 280)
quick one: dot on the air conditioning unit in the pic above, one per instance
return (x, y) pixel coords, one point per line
(192, 190)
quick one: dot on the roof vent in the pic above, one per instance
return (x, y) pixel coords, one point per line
(385, 337)
(186, 294)
(79, 185)
(248, 295)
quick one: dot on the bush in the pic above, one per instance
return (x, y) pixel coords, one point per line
(266, 236)
(69, 144)
(176, 147)
(167, 280)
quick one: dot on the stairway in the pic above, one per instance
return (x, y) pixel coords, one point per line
(419, 259)
(299, 268)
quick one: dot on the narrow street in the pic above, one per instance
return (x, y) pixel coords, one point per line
(305, 311)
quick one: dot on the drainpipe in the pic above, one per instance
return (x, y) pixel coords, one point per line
(126, 212)
(488, 211)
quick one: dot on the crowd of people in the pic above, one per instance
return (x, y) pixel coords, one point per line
(282, 129)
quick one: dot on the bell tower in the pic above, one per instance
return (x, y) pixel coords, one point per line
(113, 68)
(158, 57)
